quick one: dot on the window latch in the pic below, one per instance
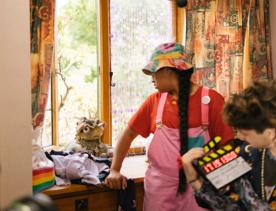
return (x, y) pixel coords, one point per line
(111, 83)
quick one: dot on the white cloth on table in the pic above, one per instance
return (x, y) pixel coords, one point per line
(77, 166)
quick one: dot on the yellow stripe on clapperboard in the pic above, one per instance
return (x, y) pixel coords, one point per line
(211, 144)
(214, 155)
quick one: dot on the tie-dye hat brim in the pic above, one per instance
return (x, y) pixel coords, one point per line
(168, 55)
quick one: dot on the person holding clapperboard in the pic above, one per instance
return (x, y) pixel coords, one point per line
(242, 178)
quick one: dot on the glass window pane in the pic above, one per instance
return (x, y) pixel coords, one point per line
(76, 65)
(137, 27)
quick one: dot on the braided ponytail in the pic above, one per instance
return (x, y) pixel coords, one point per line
(183, 100)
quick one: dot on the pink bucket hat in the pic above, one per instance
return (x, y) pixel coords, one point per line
(168, 55)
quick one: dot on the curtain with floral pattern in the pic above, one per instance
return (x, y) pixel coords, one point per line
(260, 63)
(42, 56)
(215, 35)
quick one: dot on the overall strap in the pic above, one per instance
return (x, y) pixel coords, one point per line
(160, 109)
(205, 100)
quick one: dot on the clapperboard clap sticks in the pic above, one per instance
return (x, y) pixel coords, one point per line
(221, 166)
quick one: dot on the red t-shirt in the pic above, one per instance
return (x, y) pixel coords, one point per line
(143, 121)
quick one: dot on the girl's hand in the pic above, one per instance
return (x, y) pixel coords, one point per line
(190, 172)
(115, 180)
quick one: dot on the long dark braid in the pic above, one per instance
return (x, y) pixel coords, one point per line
(183, 100)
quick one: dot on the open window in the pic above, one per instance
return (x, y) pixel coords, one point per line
(74, 84)
(80, 85)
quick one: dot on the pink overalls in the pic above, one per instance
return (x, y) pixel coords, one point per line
(161, 179)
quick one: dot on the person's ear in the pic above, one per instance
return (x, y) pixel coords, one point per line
(270, 133)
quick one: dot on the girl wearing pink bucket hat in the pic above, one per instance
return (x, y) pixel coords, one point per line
(181, 115)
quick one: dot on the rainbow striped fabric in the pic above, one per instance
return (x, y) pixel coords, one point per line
(43, 178)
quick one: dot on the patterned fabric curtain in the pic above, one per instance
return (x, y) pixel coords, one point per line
(260, 63)
(215, 35)
(42, 45)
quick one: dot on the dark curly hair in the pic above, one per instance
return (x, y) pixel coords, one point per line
(254, 108)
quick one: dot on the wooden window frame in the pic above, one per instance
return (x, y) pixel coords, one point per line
(104, 88)
(104, 68)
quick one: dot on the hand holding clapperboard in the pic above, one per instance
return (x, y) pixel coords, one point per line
(222, 166)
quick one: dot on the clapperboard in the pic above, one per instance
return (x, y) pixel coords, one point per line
(221, 166)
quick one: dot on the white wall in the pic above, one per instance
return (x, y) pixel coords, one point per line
(273, 34)
(15, 102)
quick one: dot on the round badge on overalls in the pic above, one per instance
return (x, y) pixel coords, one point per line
(205, 100)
